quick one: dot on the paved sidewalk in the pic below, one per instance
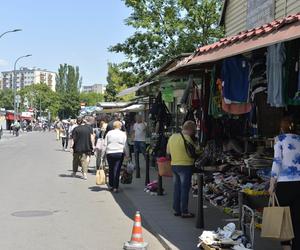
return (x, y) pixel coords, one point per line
(177, 233)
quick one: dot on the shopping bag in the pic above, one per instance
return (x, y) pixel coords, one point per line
(164, 167)
(277, 222)
(126, 177)
(100, 144)
(130, 167)
(100, 177)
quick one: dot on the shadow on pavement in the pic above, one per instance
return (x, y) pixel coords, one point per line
(69, 176)
(98, 189)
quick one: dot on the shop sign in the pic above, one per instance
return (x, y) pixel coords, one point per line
(167, 94)
(260, 12)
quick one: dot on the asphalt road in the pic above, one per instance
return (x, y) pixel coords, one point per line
(42, 207)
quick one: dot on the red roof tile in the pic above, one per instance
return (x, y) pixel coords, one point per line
(255, 32)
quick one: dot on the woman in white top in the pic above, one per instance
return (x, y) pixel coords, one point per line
(116, 148)
(286, 176)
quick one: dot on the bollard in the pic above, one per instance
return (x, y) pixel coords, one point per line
(147, 178)
(137, 165)
(160, 191)
(241, 201)
(200, 214)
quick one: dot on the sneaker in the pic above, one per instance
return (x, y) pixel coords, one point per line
(85, 176)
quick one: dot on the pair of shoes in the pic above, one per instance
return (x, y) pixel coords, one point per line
(187, 215)
(84, 176)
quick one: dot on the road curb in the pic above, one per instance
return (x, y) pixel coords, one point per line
(149, 226)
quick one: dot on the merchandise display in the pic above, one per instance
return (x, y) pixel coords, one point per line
(224, 238)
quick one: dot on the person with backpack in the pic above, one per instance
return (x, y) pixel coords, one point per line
(182, 149)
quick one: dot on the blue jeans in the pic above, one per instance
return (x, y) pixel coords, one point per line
(182, 179)
(139, 147)
(114, 163)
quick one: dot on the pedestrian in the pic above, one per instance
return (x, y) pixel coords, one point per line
(58, 127)
(110, 125)
(115, 145)
(182, 167)
(99, 141)
(64, 134)
(17, 127)
(139, 138)
(72, 125)
(285, 180)
(83, 141)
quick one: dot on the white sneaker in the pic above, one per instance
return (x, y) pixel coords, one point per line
(85, 176)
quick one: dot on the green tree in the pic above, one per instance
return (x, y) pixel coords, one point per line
(7, 99)
(68, 83)
(166, 28)
(117, 80)
(40, 97)
(91, 99)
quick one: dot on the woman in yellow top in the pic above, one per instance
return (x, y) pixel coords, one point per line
(182, 166)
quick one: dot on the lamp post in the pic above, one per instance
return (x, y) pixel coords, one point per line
(10, 31)
(15, 85)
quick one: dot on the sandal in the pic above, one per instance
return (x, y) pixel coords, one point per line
(188, 215)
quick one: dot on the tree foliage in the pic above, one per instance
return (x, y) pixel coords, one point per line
(166, 28)
(7, 99)
(91, 99)
(40, 97)
(68, 83)
(117, 80)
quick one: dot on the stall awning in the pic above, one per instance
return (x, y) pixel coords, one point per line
(282, 30)
(128, 91)
(134, 108)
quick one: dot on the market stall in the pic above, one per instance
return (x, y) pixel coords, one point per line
(243, 93)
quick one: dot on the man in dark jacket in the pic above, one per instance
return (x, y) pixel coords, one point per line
(83, 141)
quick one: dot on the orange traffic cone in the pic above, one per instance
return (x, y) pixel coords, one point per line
(137, 241)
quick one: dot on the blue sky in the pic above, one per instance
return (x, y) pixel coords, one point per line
(76, 32)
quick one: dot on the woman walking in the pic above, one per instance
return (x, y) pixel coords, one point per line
(115, 145)
(285, 179)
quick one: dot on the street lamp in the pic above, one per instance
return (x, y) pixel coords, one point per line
(15, 85)
(10, 31)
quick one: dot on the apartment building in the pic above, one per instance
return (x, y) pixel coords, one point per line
(25, 77)
(94, 88)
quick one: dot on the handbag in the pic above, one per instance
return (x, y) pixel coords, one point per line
(190, 148)
(277, 222)
(100, 177)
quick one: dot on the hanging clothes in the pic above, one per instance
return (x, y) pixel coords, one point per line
(276, 57)
(292, 72)
(235, 74)
(236, 108)
(215, 98)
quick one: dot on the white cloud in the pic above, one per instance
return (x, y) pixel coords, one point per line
(3, 63)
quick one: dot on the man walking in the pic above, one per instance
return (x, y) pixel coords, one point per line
(83, 141)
